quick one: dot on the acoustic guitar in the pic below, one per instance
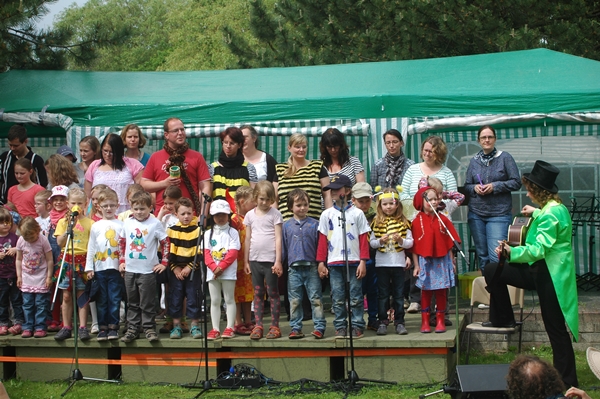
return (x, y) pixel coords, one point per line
(517, 232)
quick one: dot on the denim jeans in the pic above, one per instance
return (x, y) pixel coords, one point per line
(369, 288)
(108, 302)
(486, 232)
(305, 276)
(390, 281)
(35, 309)
(10, 295)
(337, 279)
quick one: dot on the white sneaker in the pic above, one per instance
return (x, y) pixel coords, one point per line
(94, 329)
(483, 306)
(414, 308)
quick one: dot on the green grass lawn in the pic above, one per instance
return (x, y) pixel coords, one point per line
(18, 389)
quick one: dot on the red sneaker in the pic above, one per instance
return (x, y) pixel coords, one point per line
(213, 334)
(16, 329)
(40, 334)
(228, 333)
(26, 334)
(3, 330)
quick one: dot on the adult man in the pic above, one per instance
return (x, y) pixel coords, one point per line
(194, 180)
(529, 377)
(17, 142)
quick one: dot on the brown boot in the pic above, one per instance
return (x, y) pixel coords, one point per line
(441, 324)
(425, 321)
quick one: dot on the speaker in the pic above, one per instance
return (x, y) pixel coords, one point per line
(479, 381)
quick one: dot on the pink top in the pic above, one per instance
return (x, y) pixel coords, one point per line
(262, 240)
(118, 180)
(24, 201)
(34, 268)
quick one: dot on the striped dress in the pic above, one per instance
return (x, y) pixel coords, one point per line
(308, 179)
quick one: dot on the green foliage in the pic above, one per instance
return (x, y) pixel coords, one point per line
(306, 32)
(23, 46)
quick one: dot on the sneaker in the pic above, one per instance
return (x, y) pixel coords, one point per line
(340, 333)
(296, 334)
(318, 334)
(166, 328)
(83, 333)
(483, 306)
(213, 334)
(400, 329)
(406, 303)
(3, 330)
(112, 335)
(26, 334)
(382, 329)
(357, 333)
(151, 335)
(54, 326)
(15, 329)
(102, 336)
(414, 308)
(95, 329)
(196, 332)
(130, 335)
(176, 333)
(40, 334)
(63, 334)
(228, 333)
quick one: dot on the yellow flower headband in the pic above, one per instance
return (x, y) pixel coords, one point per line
(392, 195)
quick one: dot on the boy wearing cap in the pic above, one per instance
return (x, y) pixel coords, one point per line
(362, 197)
(67, 152)
(332, 242)
(183, 238)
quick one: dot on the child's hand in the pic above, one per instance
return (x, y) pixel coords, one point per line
(185, 272)
(159, 268)
(19, 282)
(417, 270)
(398, 238)
(217, 272)
(122, 268)
(48, 282)
(384, 239)
(2, 254)
(408, 263)
(247, 268)
(361, 270)
(11, 252)
(323, 271)
(90, 275)
(277, 269)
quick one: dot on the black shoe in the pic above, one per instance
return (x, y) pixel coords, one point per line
(488, 324)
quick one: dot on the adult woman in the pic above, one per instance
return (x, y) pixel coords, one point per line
(133, 139)
(545, 264)
(336, 157)
(298, 172)
(61, 172)
(89, 151)
(433, 153)
(491, 177)
(114, 169)
(389, 170)
(263, 162)
(231, 170)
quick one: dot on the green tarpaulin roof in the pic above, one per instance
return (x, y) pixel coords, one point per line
(531, 81)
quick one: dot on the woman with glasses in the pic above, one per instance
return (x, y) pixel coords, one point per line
(491, 177)
(337, 159)
(114, 170)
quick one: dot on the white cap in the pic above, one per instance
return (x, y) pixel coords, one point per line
(220, 206)
(60, 190)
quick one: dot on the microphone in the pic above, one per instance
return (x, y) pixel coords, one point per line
(75, 211)
(342, 197)
(207, 197)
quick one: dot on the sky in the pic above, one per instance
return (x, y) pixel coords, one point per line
(55, 8)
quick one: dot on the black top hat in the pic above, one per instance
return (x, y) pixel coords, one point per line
(544, 175)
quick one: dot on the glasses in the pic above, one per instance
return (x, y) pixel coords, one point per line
(109, 206)
(178, 130)
(427, 152)
(107, 153)
(486, 138)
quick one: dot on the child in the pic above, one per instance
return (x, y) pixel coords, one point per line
(166, 215)
(131, 190)
(432, 256)
(263, 256)
(244, 291)
(221, 248)
(42, 208)
(449, 201)
(391, 235)
(183, 238)
(94, 210)
(59, 210)
(300, 240)
(10, 295)
(141, 238)
(22, 195)
(103, 262)
(362, 198)
(77, 245)
(34, 277)
(331, 248)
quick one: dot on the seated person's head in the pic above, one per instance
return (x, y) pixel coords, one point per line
(529, 377)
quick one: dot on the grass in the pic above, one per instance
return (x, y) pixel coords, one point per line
(83, 389)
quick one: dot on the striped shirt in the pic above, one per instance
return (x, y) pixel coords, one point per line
(183, 242)
(410, 182)
(308, 179)
(350, 169)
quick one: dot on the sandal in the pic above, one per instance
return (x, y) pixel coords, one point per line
(274, 332)
(241, 329)
(257, 333)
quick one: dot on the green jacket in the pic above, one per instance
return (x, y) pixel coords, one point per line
(549, 238)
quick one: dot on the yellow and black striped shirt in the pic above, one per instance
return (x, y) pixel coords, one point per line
(308, 179)
(390, 226)
(183, 243)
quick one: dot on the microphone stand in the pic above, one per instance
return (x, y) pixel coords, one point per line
(206, 385)
(353, 378)
(77, 374)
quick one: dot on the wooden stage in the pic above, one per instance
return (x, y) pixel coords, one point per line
(409, 358)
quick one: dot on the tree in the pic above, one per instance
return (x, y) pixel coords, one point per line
(306, 32)
(23, 46)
